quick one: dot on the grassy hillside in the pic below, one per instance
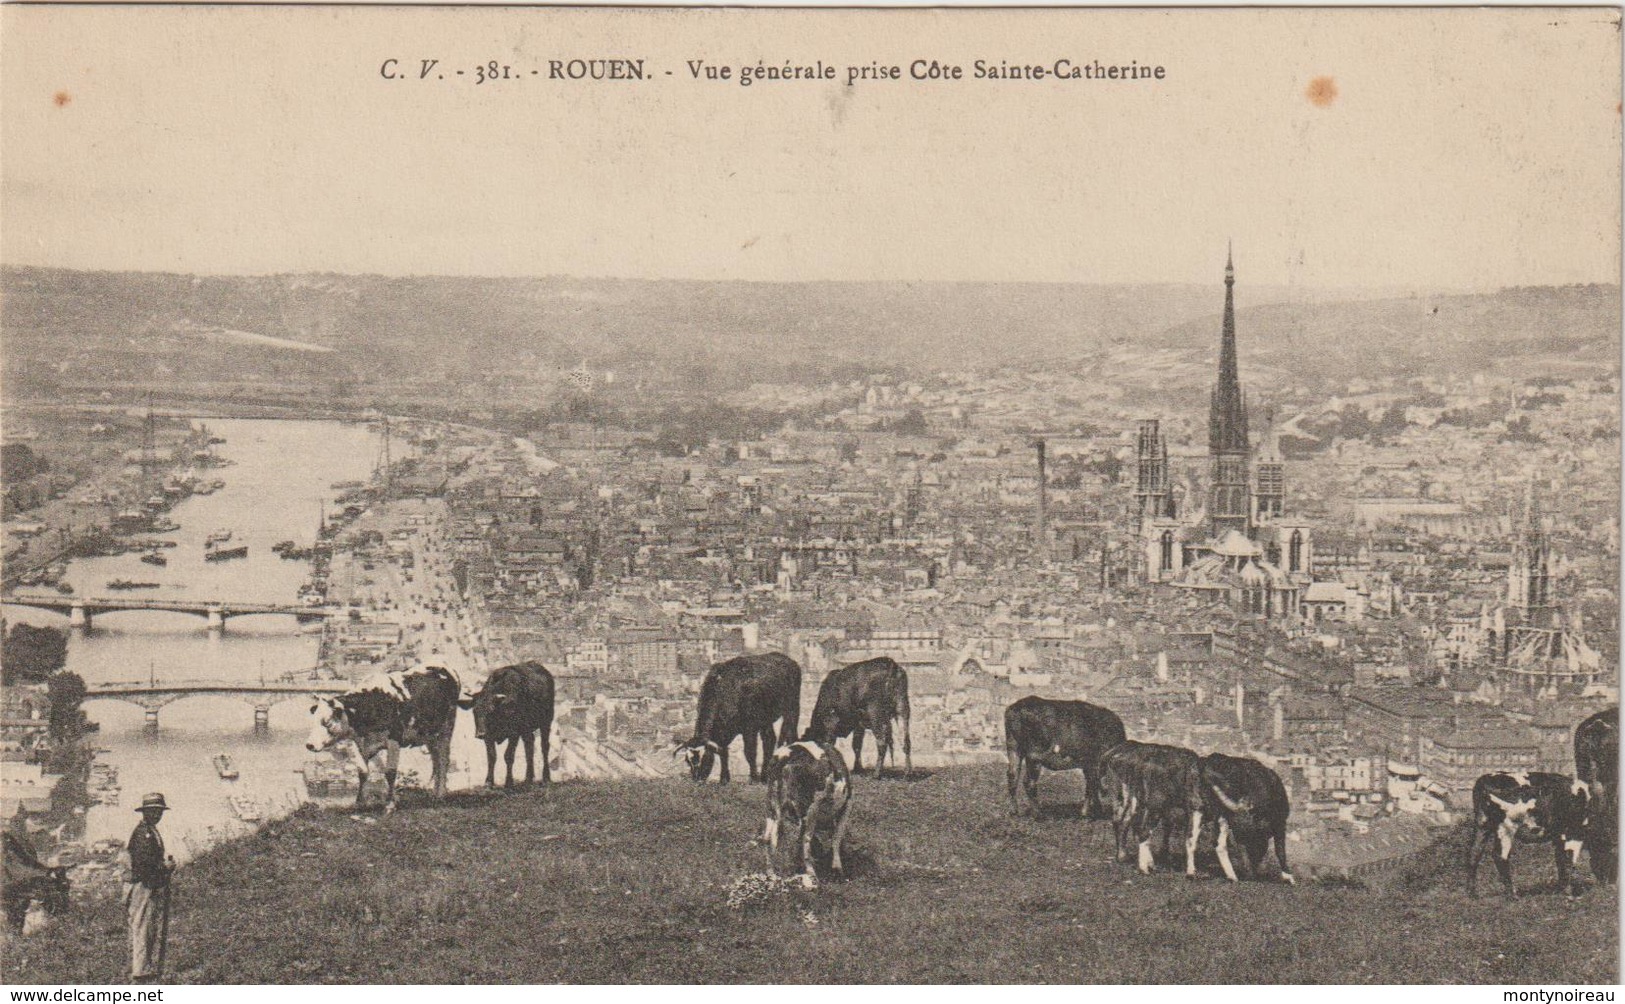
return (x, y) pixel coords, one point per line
(628, 882)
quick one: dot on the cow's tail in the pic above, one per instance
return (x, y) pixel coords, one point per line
(900, 708)
(792, 715)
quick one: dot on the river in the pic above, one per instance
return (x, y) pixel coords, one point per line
(280, 475)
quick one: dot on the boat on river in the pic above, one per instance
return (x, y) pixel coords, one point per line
(248, 810)
(223, 767)
(122, 585)
(155, 559)
(225, 553)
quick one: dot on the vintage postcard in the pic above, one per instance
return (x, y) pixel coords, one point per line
(531, 495)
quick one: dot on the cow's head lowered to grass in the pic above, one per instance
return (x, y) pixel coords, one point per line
(700, 755)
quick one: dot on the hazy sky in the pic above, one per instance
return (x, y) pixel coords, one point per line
(1463, 148)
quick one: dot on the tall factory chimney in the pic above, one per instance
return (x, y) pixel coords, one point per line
(1043, 502)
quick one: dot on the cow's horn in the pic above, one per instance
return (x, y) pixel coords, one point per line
(1224, 799)
(1505, 806)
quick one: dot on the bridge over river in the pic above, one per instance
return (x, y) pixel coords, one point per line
(260, 694)
(81, 609)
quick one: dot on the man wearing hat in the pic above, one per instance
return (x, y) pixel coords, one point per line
(146, 891)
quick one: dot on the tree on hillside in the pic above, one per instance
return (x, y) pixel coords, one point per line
(1392, 423)
(19, 462)
(30, 654)
(66, 692)
(912, 423)
(1107, 465)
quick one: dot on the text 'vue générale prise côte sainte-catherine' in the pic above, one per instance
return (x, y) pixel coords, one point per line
(760, 71)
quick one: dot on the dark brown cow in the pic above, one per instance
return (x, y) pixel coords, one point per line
(1057, 735)
(514, 705)
(865, 695)
(1596, 762)
(1249, 801)
(744, 696)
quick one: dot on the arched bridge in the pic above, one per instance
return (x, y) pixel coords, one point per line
(262, 696)
(81, 609)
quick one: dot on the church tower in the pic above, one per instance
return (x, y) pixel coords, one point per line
(1151, 483)
(1229, 505)
(1269, 500)
(1529, 578)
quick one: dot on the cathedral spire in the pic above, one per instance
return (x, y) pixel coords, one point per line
(1533, 518)
(1228, 489)
(1227, 422)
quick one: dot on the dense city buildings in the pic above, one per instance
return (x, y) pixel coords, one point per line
(1384, 587)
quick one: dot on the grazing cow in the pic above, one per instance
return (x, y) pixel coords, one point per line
(28, 881)
(1528, 808)
(744, 696)
(809, 788)
(864, 695)
(515, 703)
(1249, 800)
(416, 707)
(1154, 785)
(1058, 735)
(1596, 762)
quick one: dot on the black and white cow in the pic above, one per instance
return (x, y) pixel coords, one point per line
(865, 695)
(28, 881)
(1596, 762)
(1528, 808)
(1249, 801)
(1153, 786)
(513, 706)
(1056, 735)
(809, 787)
(416, 707)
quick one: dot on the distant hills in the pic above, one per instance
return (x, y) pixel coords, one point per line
(67, 325)
(1531, 330)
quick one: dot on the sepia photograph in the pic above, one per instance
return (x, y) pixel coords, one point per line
(527, 495)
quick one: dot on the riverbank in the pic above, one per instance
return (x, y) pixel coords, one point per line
(629, 882)
(91, 471)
